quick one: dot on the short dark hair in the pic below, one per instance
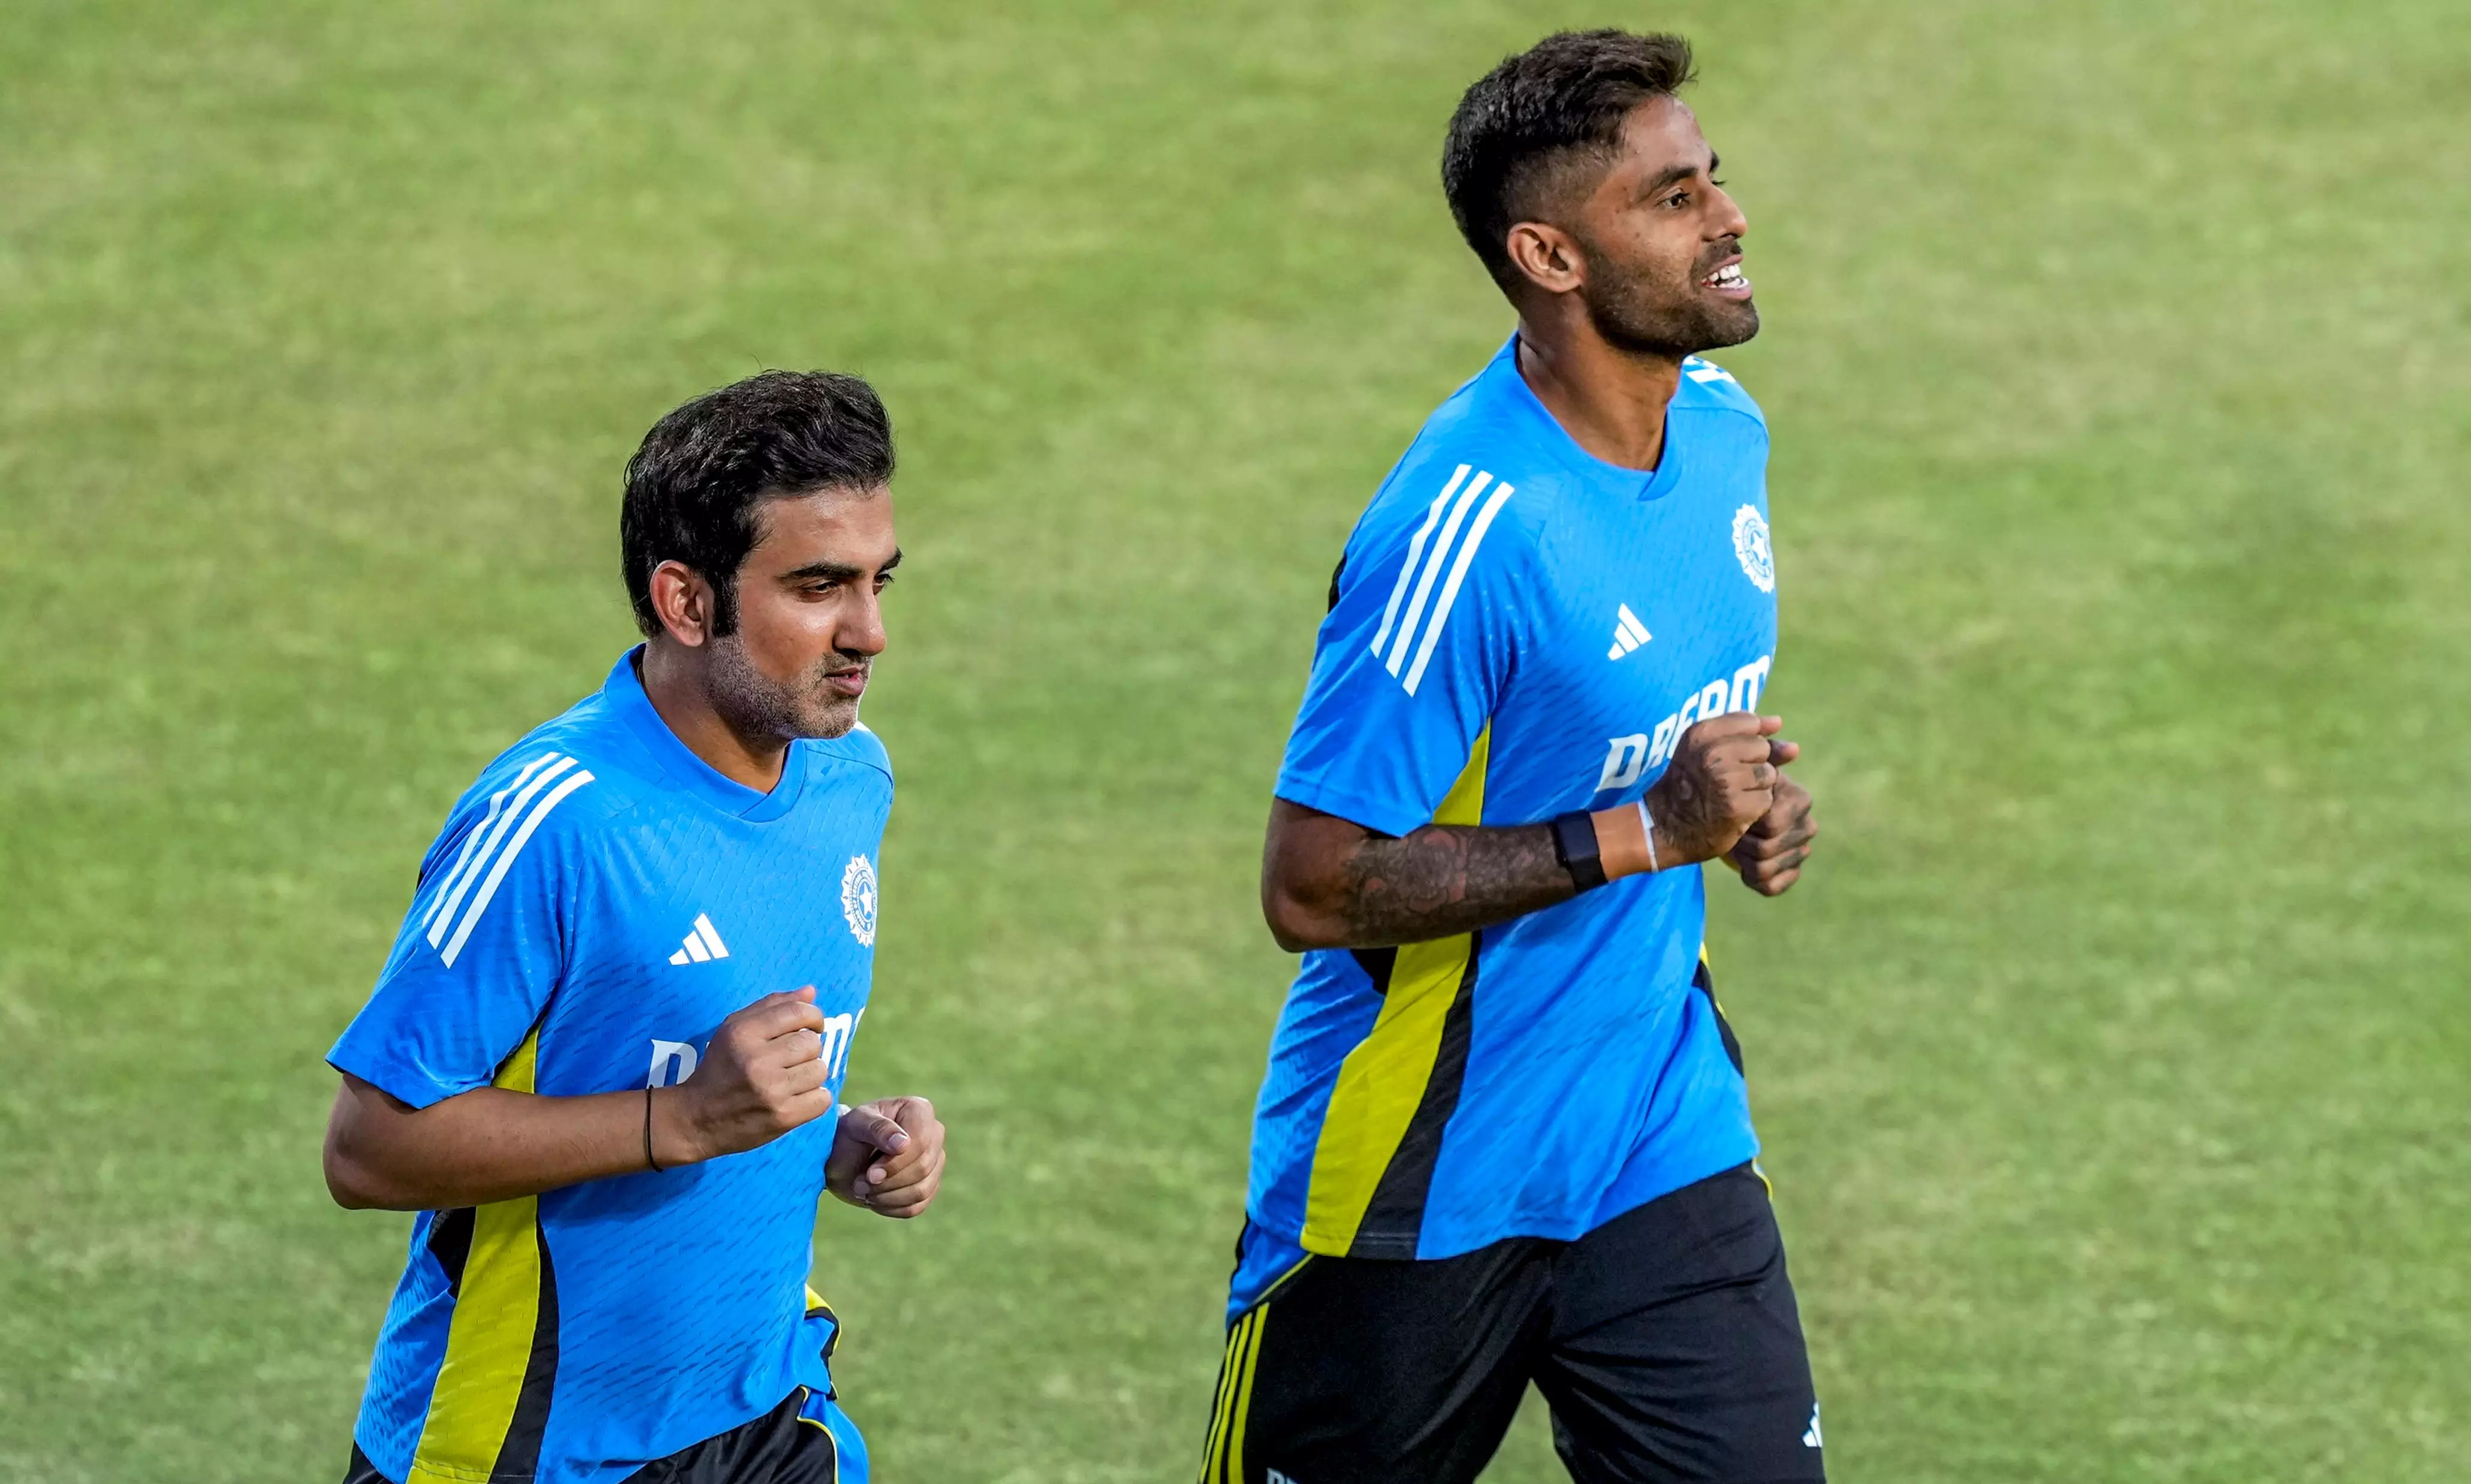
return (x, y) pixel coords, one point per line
(1560, 100)
(694, 487)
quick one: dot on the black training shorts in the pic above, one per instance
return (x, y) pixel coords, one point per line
(789, 1444)
(1666, 1341)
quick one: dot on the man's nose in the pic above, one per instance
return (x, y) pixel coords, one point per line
(1728, 220)
(863, 631)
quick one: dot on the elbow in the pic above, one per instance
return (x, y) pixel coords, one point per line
(374, 1157)
(1299, 924)
(355, 1186)
(1310, 895)
(1287, 929)
(343, 1183)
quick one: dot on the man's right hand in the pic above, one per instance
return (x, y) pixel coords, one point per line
(762, 1076)
(1723, 777)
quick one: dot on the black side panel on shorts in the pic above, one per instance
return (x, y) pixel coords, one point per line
(519, 1457)
(1368, 1371)
(777, 1447)
(1394, 1220)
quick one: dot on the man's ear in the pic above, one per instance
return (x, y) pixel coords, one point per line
(683, 601)
(1546, 256)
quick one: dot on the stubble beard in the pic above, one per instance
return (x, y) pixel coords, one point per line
(754, 704)
(1645, 313)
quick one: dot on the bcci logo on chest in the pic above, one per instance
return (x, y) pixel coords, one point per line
(858, 900)
(1751, 549)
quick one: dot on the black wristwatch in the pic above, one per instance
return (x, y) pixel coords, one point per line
(1574, 845)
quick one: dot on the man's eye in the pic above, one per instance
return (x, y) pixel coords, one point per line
(1712, 181)
(1677, 199)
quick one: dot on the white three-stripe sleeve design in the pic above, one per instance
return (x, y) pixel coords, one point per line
(1440, 553)
(451, 893)
(1450, 590)
(1415, 550)
(472, 841)
(507, 858)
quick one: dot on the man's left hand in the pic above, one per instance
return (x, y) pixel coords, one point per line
(1770, 852)
(887, 1156)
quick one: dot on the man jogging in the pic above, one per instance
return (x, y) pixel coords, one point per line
(603, 1060)
(1504, 1135)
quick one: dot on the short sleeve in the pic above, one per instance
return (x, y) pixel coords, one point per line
(1416, 651)
(486, 939)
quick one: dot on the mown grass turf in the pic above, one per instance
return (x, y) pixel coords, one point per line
(2111, 1063)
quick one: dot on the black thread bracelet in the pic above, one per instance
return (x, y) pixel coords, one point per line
(648, 1156)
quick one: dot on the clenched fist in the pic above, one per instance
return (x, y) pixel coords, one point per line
(762, 1076)
(1722, 781)
(1770, 852)
(887, 1156)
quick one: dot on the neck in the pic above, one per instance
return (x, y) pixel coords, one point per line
(1609, 401)
(674, 681)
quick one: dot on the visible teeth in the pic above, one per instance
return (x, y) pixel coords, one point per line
(1727, 278)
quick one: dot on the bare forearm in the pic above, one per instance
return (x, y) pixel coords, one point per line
(488, 1144)
(1445, 880)
(1329, 882)
(1331, 885)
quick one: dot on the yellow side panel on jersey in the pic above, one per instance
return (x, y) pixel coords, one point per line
(489, 1341)
(1382, 1080)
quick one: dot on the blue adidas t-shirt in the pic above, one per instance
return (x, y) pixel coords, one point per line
(598, 902)
(1519, 629)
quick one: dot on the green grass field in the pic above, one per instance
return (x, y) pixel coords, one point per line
(2113, 1065)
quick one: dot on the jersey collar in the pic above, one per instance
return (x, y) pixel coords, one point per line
(1551, 436)
(677, 761)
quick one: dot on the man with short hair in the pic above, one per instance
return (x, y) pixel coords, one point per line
(600, 1059)
(1504, 1137)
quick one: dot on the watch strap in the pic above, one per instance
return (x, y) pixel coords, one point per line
(1574, 845)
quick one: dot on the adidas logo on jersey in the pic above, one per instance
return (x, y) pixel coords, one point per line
(1812, 1438)
(1629, 633)
(702, 945)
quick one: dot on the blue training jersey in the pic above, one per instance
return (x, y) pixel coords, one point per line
(598, 902)
(1517, 629)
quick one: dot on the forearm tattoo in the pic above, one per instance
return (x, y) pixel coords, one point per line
(1448, 879)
